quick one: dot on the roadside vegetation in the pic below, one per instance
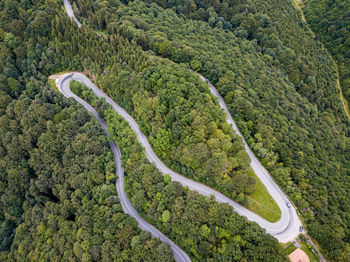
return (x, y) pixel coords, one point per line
(58, 200)
(329, 20)
(308, 249)
(202, 227)
(290, 249)
(278, 83)
(261, 202)
(52, 83)
(56, 172)
(276, 80)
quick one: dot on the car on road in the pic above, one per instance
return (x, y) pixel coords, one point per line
(288, 205)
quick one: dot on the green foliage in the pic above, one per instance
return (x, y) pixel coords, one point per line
(54, 178)
(204, 228)
(55, 202)
(80, 90)
(167, 179)
(330, 21)
(185, 125)
(166, 216)
(277, 81)
(205, 231)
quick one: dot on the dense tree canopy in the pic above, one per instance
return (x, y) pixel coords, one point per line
(56, 172)
(330, 20)
(278, 82)
(205, 229)
(57, 197)
(184, 122)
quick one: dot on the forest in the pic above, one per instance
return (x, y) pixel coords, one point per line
(330, 20)
(56, 172)
(56, 166)
(204, 228)
(201, 226)
(186, 129)
(185, 125)
(57, 193)
(58, 199)
(277, 81)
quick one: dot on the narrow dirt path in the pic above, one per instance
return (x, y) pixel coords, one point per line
(342, 98)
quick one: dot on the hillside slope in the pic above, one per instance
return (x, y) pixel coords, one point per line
(330, 20)
(278, 82)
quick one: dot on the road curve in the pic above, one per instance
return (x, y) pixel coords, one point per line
(70, 13)
(285, 229)
(63, 85)
(291, 231)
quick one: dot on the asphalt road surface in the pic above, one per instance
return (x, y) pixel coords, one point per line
(69, 12)
(285, 229)
(63, 85)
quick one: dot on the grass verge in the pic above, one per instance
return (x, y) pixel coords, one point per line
(290, 249)
(261, 203)
(52, 83)
(308, 251)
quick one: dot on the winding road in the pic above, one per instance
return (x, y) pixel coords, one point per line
(285, 229)
(63, 85)
(70, 13)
